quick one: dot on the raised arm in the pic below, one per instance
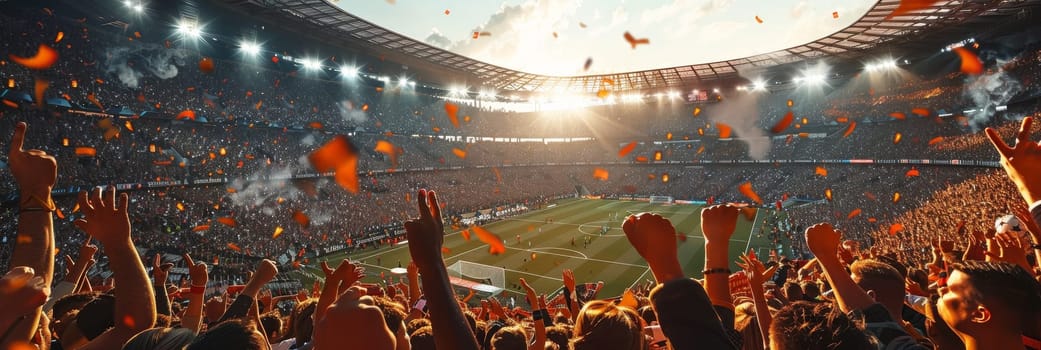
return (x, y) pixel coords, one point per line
(718, 224)
(198, 277)
(109, 223)
(425, 237)
(160, 273)
(77, 270)
(537, 309)
(20, 294)
(755, 271)
(266, 271)
(35, 172)
(413, 284)
(823, 241)
(1022, 162)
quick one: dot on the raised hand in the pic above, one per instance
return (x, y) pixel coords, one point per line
(160, 271)
(33, 169)
(823, 241)
(718, 222)
(103, 218)
(353, 322)
(655, 239)
(1022, 162)
(1011, 250)
(529, 294)
(569, 280)
(21, 292)
(754, 268)
(87, 250)
(426, 233)
(196, 271)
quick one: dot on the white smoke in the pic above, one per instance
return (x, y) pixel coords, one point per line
(252, 193)
(987, 92)
(741, 113)
(130, 64)
(350, 113)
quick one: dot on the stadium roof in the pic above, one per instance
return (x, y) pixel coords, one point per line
(323, 19)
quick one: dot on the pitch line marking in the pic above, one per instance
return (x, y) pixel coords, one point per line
(540, 249)
(590, 259)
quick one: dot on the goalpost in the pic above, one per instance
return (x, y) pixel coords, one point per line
(484, 274)
(663, 200)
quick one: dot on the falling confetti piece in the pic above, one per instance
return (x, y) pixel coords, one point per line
(180, 206)
(895, 228)
(827, 194)
(44, 58)
(665, 177)
(234, 247)
(842, 120)
(913, 172)
(697, 110)
(495, 246)
(128, 125)
(758, 20)
(589, 62)
(459, 153)
(186, 114)
(445, 250)
(872, 220)
(453, 113)
(57, 38)
(633, 41)
(86, 151)
(821, 171)
(835, 15)
(898, 115)
(339, 155)
(724, 130)
(466, 234)
(897, 137)
(555, 35)
(93, 99)
(278, 232)
(316, 125)
(603, 93)
(853, 214)
(448, 12)
(921, 112)
(970, 63)
(641, 159)
(907, 6)
(625, 150)
(228, 221)
(581, 25)
(791, 103)
(935, 140)
(600, 174)
(746, 190)
(870, 196)
(206, 65)
(849, 130)
(657, 155)
(784, 123)
(39, 88)
(896, 197)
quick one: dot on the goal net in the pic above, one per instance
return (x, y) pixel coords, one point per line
(666, 200)
(480, 273)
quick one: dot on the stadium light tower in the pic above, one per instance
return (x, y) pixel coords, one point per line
(249, 48)
(348, 71)
(189, 30)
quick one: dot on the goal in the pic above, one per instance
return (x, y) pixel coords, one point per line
(480, 273)
(664, 200)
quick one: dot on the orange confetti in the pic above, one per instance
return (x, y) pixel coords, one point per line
(791, 103)
(128, 125)
(445, 250)
(339, 155)
(870, 196)
(641, 159)
(758, 20)
(747, 191)
(603, 93)
(835, 15)
(385, 147)
(898, 115)
(180, 206)
(45, 58)
(278, 232)
(842, 120)
(913, 172)
(453, 113)
(895, 228)
(302, 219)
(316, 125)
(896, 197)
(897, 137)
(228, 221)
(853, 214)
(495, 245)
(498, 174)
(907, 6)
(872, 220)
(827, 194)
(724, 130)
(86, 151)
(10, 103)
(970, 63)
(668, 136)
(459, 153)
(185, 114)
(633, 41)
(935, 140)
(657, 155)
(201, 228)
(600, 174)
(921, 112)
(466, 234)
(697, 110)
(849, 130)
(447, 12)
(785, 122)
(39, 88)
(821, 171)
(625, 150)
(206, 65)
(94, 100)
(259, 104)
(665, 177)
(234, 247)
(57, 38)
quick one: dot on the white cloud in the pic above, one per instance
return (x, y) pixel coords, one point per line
(437, 39)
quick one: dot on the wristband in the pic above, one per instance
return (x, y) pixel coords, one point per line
(34, 203)
(536, 315)
(715, 271)
(1035, 246)
(197, 289)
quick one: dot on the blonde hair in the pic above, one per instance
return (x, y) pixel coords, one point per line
(604, 325)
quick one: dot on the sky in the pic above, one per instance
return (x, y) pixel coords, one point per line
(680, 32)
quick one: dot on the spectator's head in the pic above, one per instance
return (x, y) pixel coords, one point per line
(510, 338)
(66, 309)
(422, 338)
(604, 325)
(301, 321)
(882, 281)
(745, 322)
(416, 324)
(816, 326)
(810, 291)
(394, 316)
(559, 335)
(231, 335)
(989, 299)
(272, 323)
(161, 338)
(792, 291)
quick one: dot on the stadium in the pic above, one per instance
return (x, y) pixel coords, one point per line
(262, 143)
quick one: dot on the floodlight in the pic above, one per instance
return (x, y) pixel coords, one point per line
(311, 64)
(348, 71)
(189, 30)
(138, 8)
(759, 85)
(673, 94)
(249, 48)
(402, 81)
(715, 90)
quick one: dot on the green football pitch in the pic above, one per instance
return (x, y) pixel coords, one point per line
(556, 237)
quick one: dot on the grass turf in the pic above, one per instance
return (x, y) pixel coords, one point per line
(607, 257)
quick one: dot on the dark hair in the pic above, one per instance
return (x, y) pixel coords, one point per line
(816, 326)
(272, 324)
(810, 291)
(559, 334)
(393, 313)
(71, 302)
(792, 291)
(415, 324)
(97, 316)
(510, 338)
(604, 325)
(422, 338)
(647, 314)
(301, 326)
(1005, 284)
(160, 338)
(162, 321)
(235, 334)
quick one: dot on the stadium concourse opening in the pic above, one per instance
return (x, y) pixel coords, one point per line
(310, 174)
